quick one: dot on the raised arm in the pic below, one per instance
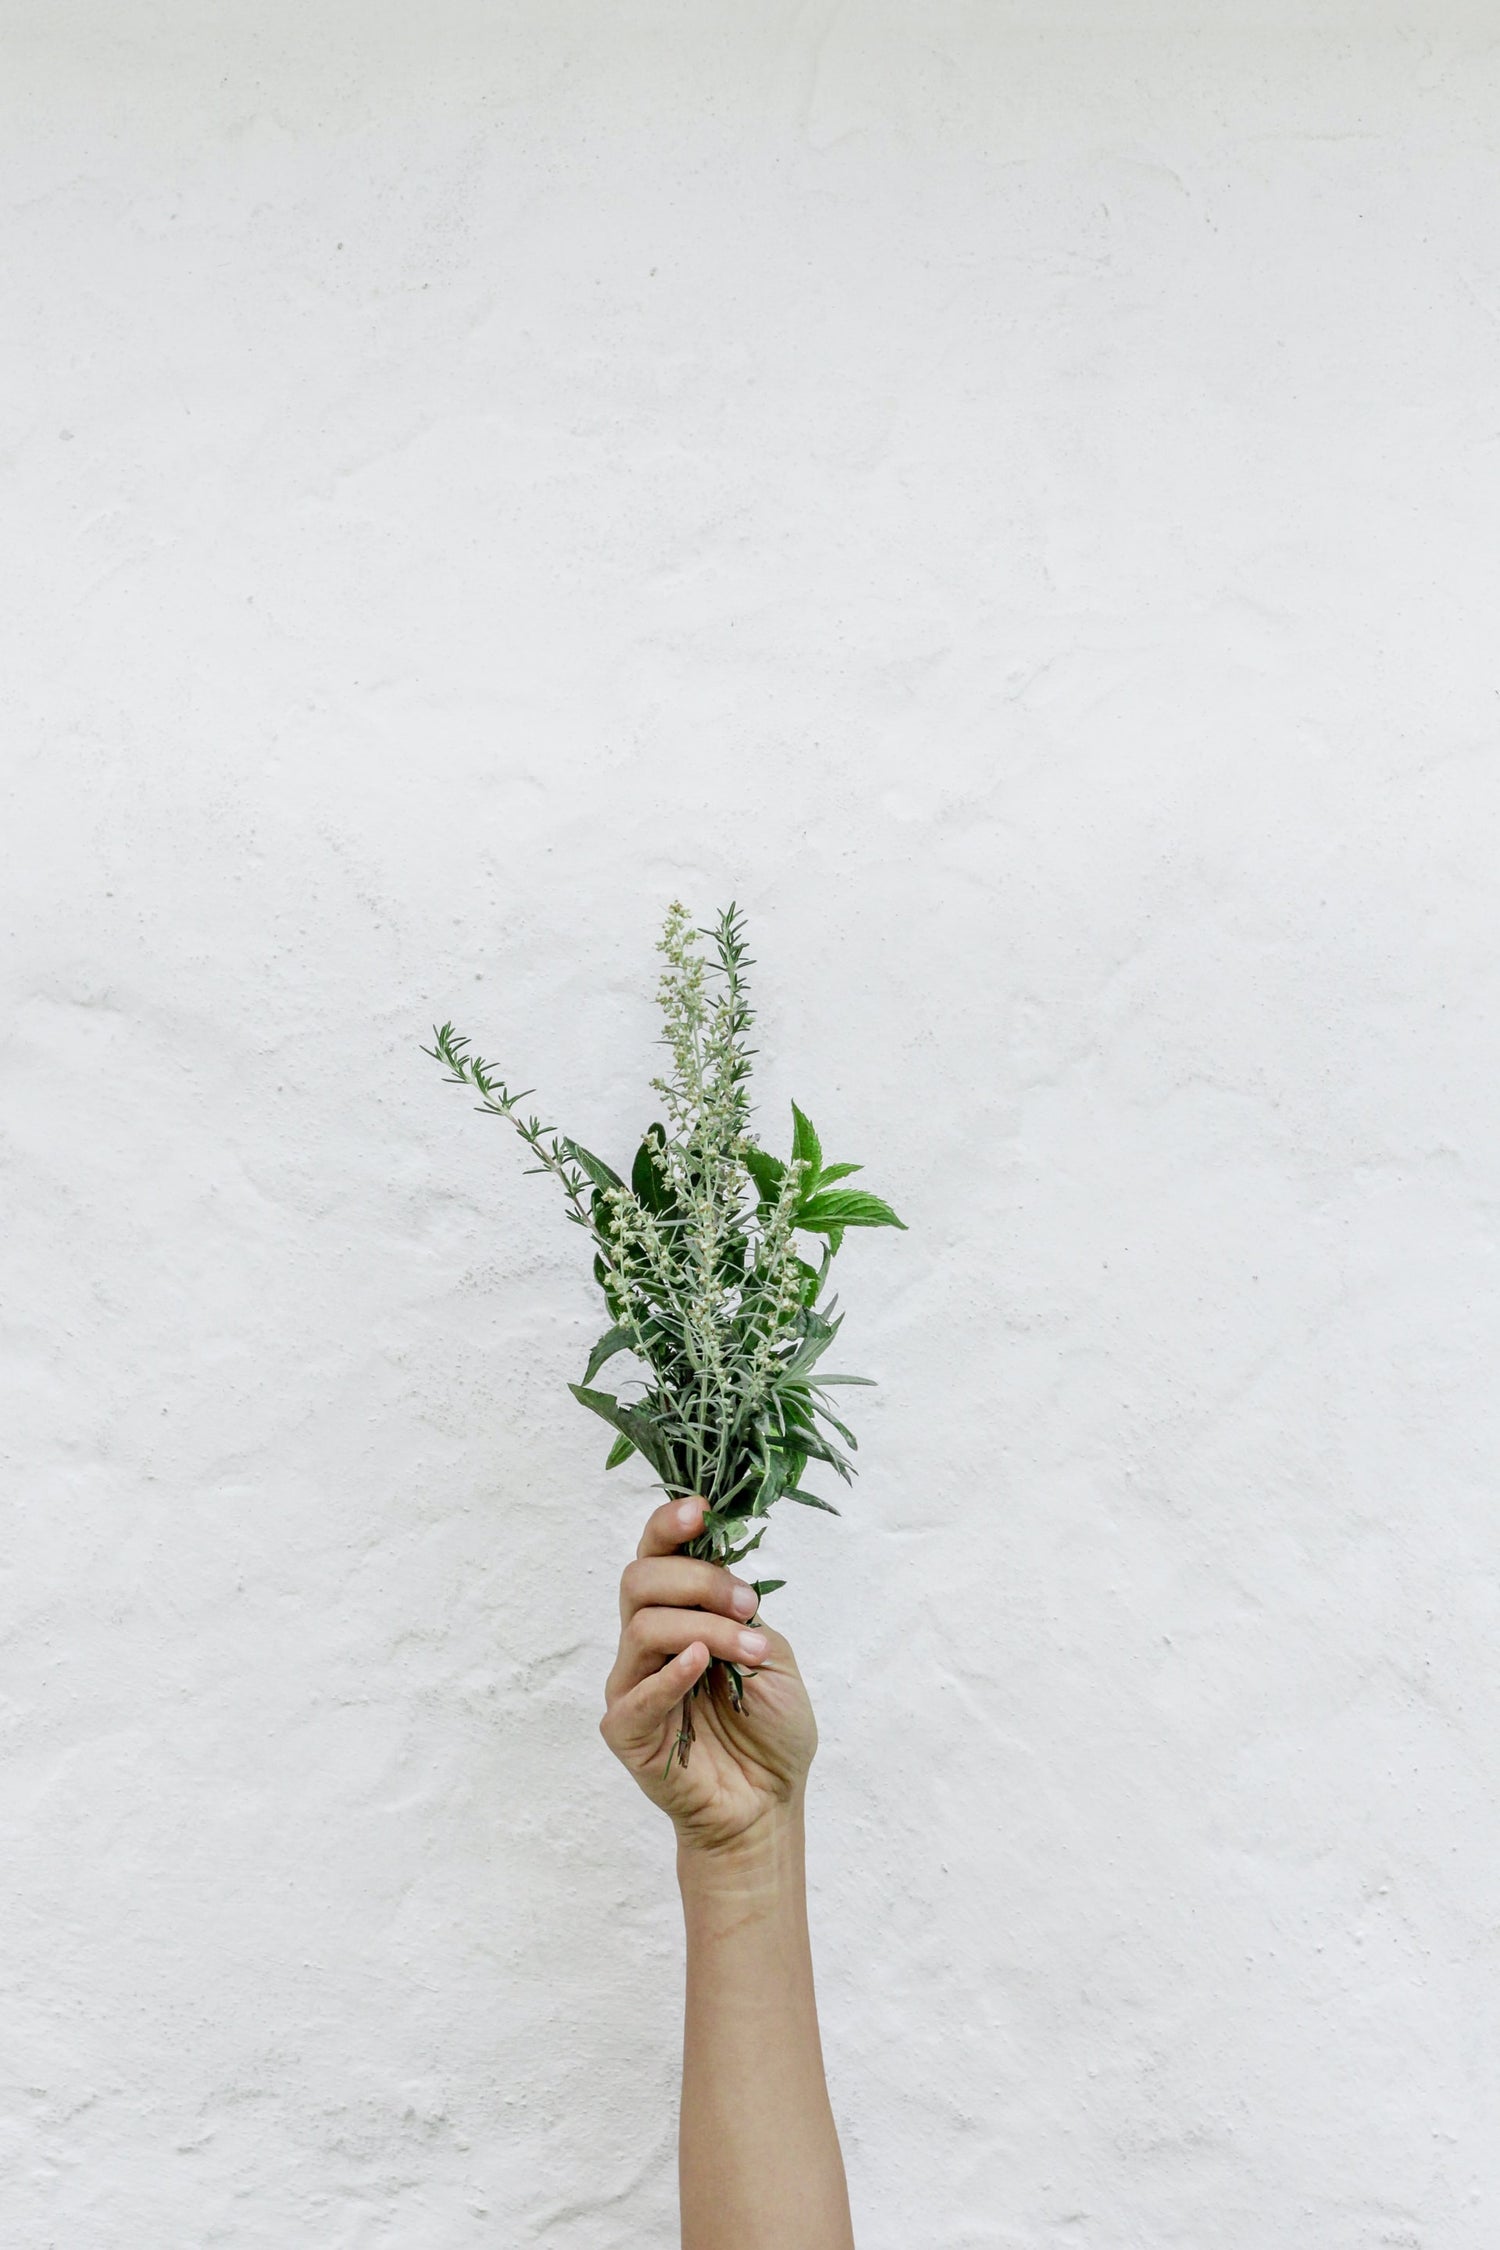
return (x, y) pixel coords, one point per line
(758, 2151)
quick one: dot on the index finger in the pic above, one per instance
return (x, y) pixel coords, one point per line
(668, 1526)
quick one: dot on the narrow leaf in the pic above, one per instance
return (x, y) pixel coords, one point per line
(764, 1586)
(817, 1448)
(620, 1451)
(811, 1500)
(816, 1338)
(834, 1172)
(833, 1421)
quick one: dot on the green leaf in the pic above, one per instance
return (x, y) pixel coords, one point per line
(868, 1380)
(632, 1423)
(602, 1403)
(613, 1340)
(764, 1586)
(809, 1281)
(767, 1173)
(770, 1484)
(816, 1338)
(648, 1175)
(845, 1207)
(611, 1293)
(835, 1172)
(833, 1421)
(620, 1451)
(803, 1438)
(595, 1166)
(813, 1278)
(796, 1460)
(811, 1500)
(805, 1144)
(738, 1554)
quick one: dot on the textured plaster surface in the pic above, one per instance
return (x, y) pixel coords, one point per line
(1016, 507)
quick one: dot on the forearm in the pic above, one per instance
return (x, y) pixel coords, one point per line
(759, 2154)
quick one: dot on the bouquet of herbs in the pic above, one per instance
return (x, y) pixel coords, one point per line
(700, 1260)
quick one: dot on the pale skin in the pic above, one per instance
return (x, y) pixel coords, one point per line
(758, 2154)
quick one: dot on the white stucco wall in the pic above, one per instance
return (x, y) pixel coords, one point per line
(1018, 509)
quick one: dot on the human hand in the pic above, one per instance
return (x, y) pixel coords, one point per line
(745, 1767)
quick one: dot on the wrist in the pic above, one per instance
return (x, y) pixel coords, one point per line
(766, 1858)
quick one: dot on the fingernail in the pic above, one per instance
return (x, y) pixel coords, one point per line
(687, 1514)
(753, 1646)
(743, 1600)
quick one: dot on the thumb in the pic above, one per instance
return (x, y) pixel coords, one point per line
(633, 1723)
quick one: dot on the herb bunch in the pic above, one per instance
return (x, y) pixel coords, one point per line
(701, 1265)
